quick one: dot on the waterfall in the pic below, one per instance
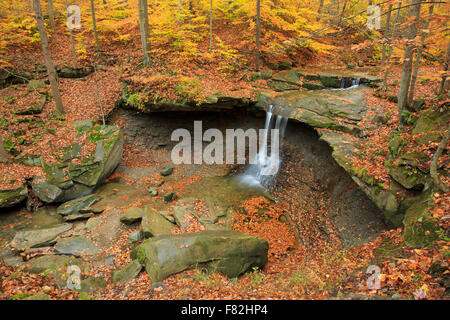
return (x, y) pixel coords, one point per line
(264, 168)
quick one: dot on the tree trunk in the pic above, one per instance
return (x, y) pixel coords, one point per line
(72, 41)
(258, 33)
(48, 60)
(418, 57)
(319, 12)
(210, 25)
(388, 60)
(51, 14)
(343, 11)
(4, 157)
(180, 11)
(386, 34)
(143, 27)
(414, 12)
(434, 161)
(446, 63)
(94, 23)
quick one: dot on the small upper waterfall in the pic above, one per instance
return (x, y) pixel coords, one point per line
(264, 168)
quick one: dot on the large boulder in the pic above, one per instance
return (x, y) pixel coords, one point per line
(66, 181)
(38, 238)
(227, 252)
(12, 197)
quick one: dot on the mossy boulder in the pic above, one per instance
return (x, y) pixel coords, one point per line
(67, 181)
(420, 228)
(330, 81)
(409, 177)
(12, 197)
(127, 273)
(227, 252)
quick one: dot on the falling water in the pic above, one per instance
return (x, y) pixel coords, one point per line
(265, 170)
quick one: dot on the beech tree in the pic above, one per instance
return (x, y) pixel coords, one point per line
(258, 33)
(51, 14)
(48, 59)
(94, 23)
(390, 43)
(405, 81)
(418, 57)
(386, 34)
(144, 28)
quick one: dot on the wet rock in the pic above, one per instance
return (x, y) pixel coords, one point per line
(38, 238)
(76, 245)
(284, 65)
(230, 253)
(167, 216)
(74, 73)
(12, 197)
(74, 206)
(153, 191)
(167, 171)
(93, 284)
(52, 262)
(168, 197)
(136, 236)
(127, 273)
(77, 216)
(153, 224)
(132, 215)
(35, 84)
(92, 223)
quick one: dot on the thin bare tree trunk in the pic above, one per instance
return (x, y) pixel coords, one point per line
(446, 64)
(180, 11)
(72, 41)
(48, 60)
(143, 27)
(94, 23)
(51, 14)
(386, 34)
(388, 60)
(343, 11)
(258, 33)
(418, 57)
(319, 12)
(434, 161)
(210, 25)
(405, 81)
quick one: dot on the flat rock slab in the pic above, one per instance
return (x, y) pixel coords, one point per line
(77, 245)
(12, 197)
(78, 204)
(132, 215)
(228, 252)
(154, 224)
(38, 238)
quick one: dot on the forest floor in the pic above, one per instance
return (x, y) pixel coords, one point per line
(294, 271)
